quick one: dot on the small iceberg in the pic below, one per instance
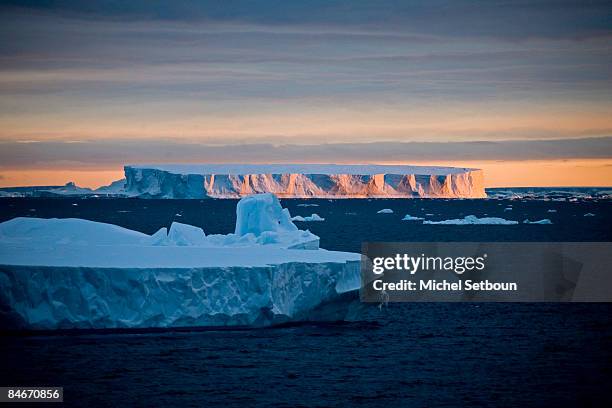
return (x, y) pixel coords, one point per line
(473, 220)
(385, 211)
(545, 221)
(589, 215)
(409, 217)
(313, 217)
(552, 211)
(308, 205)
(508, 209)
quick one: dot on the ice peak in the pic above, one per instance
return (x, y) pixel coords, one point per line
(261, 213)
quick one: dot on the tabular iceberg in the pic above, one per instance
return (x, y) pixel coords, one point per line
(72, 273)
(302, 181)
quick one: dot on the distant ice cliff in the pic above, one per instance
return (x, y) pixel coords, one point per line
(303, 181)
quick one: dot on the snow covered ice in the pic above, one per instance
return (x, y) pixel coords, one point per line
(409, 217)
(117, 188)
(262, 216)
(302, 181)
(73, 273)
(66, 231)
(185, 235)
(545, 221)
(310, 218)
(472, 219)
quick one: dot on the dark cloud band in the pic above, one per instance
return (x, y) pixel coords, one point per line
(116, 153)
(498, 18)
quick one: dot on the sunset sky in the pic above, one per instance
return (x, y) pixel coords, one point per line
(522, 89)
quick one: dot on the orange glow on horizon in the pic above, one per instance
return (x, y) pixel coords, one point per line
(540, 173)
(82, 178)
(533, 173)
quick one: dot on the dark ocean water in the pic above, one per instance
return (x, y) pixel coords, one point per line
(429, 354)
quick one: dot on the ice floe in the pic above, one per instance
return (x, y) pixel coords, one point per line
(545, 221)
(313, 217)
(472, 219)
(409, 217)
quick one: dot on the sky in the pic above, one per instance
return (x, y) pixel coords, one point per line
(522, 89)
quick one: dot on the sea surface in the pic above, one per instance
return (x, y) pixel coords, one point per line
(421, 354)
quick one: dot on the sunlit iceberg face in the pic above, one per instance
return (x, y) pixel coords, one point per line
(302, 181)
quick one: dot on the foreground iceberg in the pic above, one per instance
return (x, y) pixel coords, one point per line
(302, 181)
(72, 273)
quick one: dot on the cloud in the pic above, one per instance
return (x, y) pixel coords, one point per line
(499, 18)
(334, 71)
(107, 154)
(83, 45)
